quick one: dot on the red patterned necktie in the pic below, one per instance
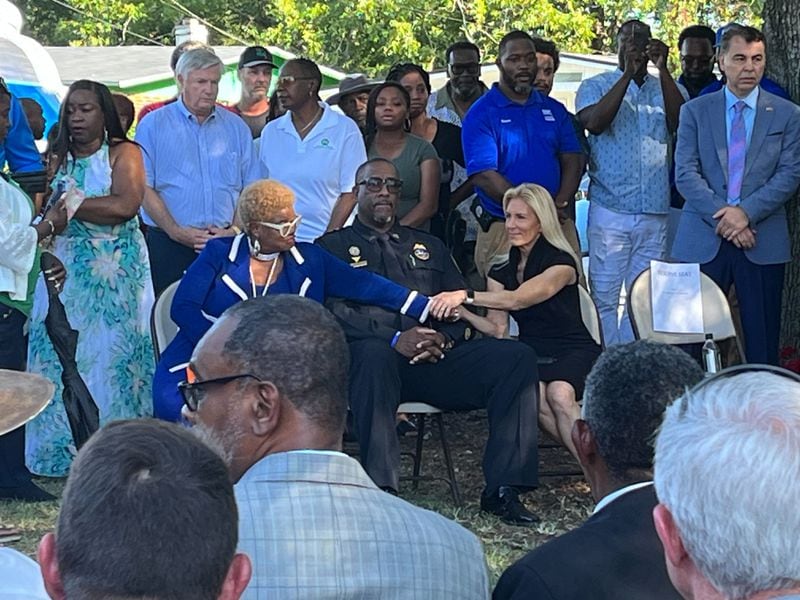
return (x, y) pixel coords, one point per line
(737, 151)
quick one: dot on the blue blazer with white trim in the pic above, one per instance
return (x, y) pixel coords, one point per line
(220, 277)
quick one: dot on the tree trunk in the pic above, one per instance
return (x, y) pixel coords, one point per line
(782, 29)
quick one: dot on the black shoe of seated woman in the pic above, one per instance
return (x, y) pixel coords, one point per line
(505, 503)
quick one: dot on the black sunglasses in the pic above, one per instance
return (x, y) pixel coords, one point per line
(375, 184)
(468, 68)
(696, 60)
(732, 372)
(192, 392)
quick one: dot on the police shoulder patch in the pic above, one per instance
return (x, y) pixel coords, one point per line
(421, 251)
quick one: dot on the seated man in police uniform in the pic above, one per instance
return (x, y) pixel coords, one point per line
(394, 360)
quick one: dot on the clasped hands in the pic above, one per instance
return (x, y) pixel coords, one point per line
(634, 54)
(444, 305)
(421, 344)
(196, 237)
(734, 226)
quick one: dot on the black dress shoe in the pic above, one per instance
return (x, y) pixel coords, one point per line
(26, 492)
(407, 426)
(505, 503)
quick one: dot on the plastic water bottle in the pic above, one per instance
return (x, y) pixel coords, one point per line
(711, 360)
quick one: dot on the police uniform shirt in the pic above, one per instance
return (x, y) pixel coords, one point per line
(413, 258)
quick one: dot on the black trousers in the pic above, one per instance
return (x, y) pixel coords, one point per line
(499, 375)
(168, 259)
(13, 356)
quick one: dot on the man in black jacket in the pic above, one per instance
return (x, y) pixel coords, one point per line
(393, 360)
(616, 554)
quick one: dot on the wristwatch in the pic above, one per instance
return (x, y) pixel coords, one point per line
(470, 296)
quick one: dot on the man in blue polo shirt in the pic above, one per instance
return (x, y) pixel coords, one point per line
(513, 134)
(18, 148)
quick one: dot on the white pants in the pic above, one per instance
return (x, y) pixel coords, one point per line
(621, 246)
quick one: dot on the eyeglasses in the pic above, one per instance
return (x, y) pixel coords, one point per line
(696, 60)
(375, 184)
(468, 68)
(192, 392)
(286, 228)
(732, 372)
(290, 79)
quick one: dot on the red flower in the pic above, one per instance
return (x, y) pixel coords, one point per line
(792, 365)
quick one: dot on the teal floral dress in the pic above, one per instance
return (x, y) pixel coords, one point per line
(108, 296)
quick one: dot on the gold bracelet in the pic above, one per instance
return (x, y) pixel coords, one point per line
(52, 227)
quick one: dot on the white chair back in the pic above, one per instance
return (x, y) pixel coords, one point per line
(590, 316)
(717, 318)
(162, 328)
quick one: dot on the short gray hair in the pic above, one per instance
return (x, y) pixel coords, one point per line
(626, 393)
(727, 467)
(194, 60)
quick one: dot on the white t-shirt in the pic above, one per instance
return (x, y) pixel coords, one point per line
(318, 168)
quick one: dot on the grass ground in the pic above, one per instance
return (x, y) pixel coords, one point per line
(561, 502)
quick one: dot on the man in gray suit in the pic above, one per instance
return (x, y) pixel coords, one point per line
(737, 164)
(274, 397)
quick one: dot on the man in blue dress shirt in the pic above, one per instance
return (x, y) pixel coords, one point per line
(513, 134)
(766, 84)
(737, 163)
(197, 159)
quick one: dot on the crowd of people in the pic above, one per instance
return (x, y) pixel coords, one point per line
(363, 205)
(262, 503)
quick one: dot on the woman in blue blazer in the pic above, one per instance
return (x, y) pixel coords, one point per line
(263, 259)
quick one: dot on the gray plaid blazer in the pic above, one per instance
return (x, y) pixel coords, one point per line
(316, 527)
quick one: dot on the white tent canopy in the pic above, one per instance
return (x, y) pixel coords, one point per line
(22, 59)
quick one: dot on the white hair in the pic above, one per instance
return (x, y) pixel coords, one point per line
(727, 467)
(194, 60)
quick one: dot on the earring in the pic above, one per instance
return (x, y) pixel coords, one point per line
(256, 246)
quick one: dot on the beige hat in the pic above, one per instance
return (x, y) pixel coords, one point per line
(22, 397)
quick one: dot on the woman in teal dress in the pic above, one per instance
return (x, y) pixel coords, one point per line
(109, 293)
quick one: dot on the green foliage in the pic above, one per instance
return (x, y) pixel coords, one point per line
(371, 35)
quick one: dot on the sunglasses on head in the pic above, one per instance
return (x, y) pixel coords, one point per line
(375, 184)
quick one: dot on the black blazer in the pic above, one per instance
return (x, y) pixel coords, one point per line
(615, 555)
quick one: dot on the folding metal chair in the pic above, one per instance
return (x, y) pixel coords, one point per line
(717, 318)
(423, 411)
